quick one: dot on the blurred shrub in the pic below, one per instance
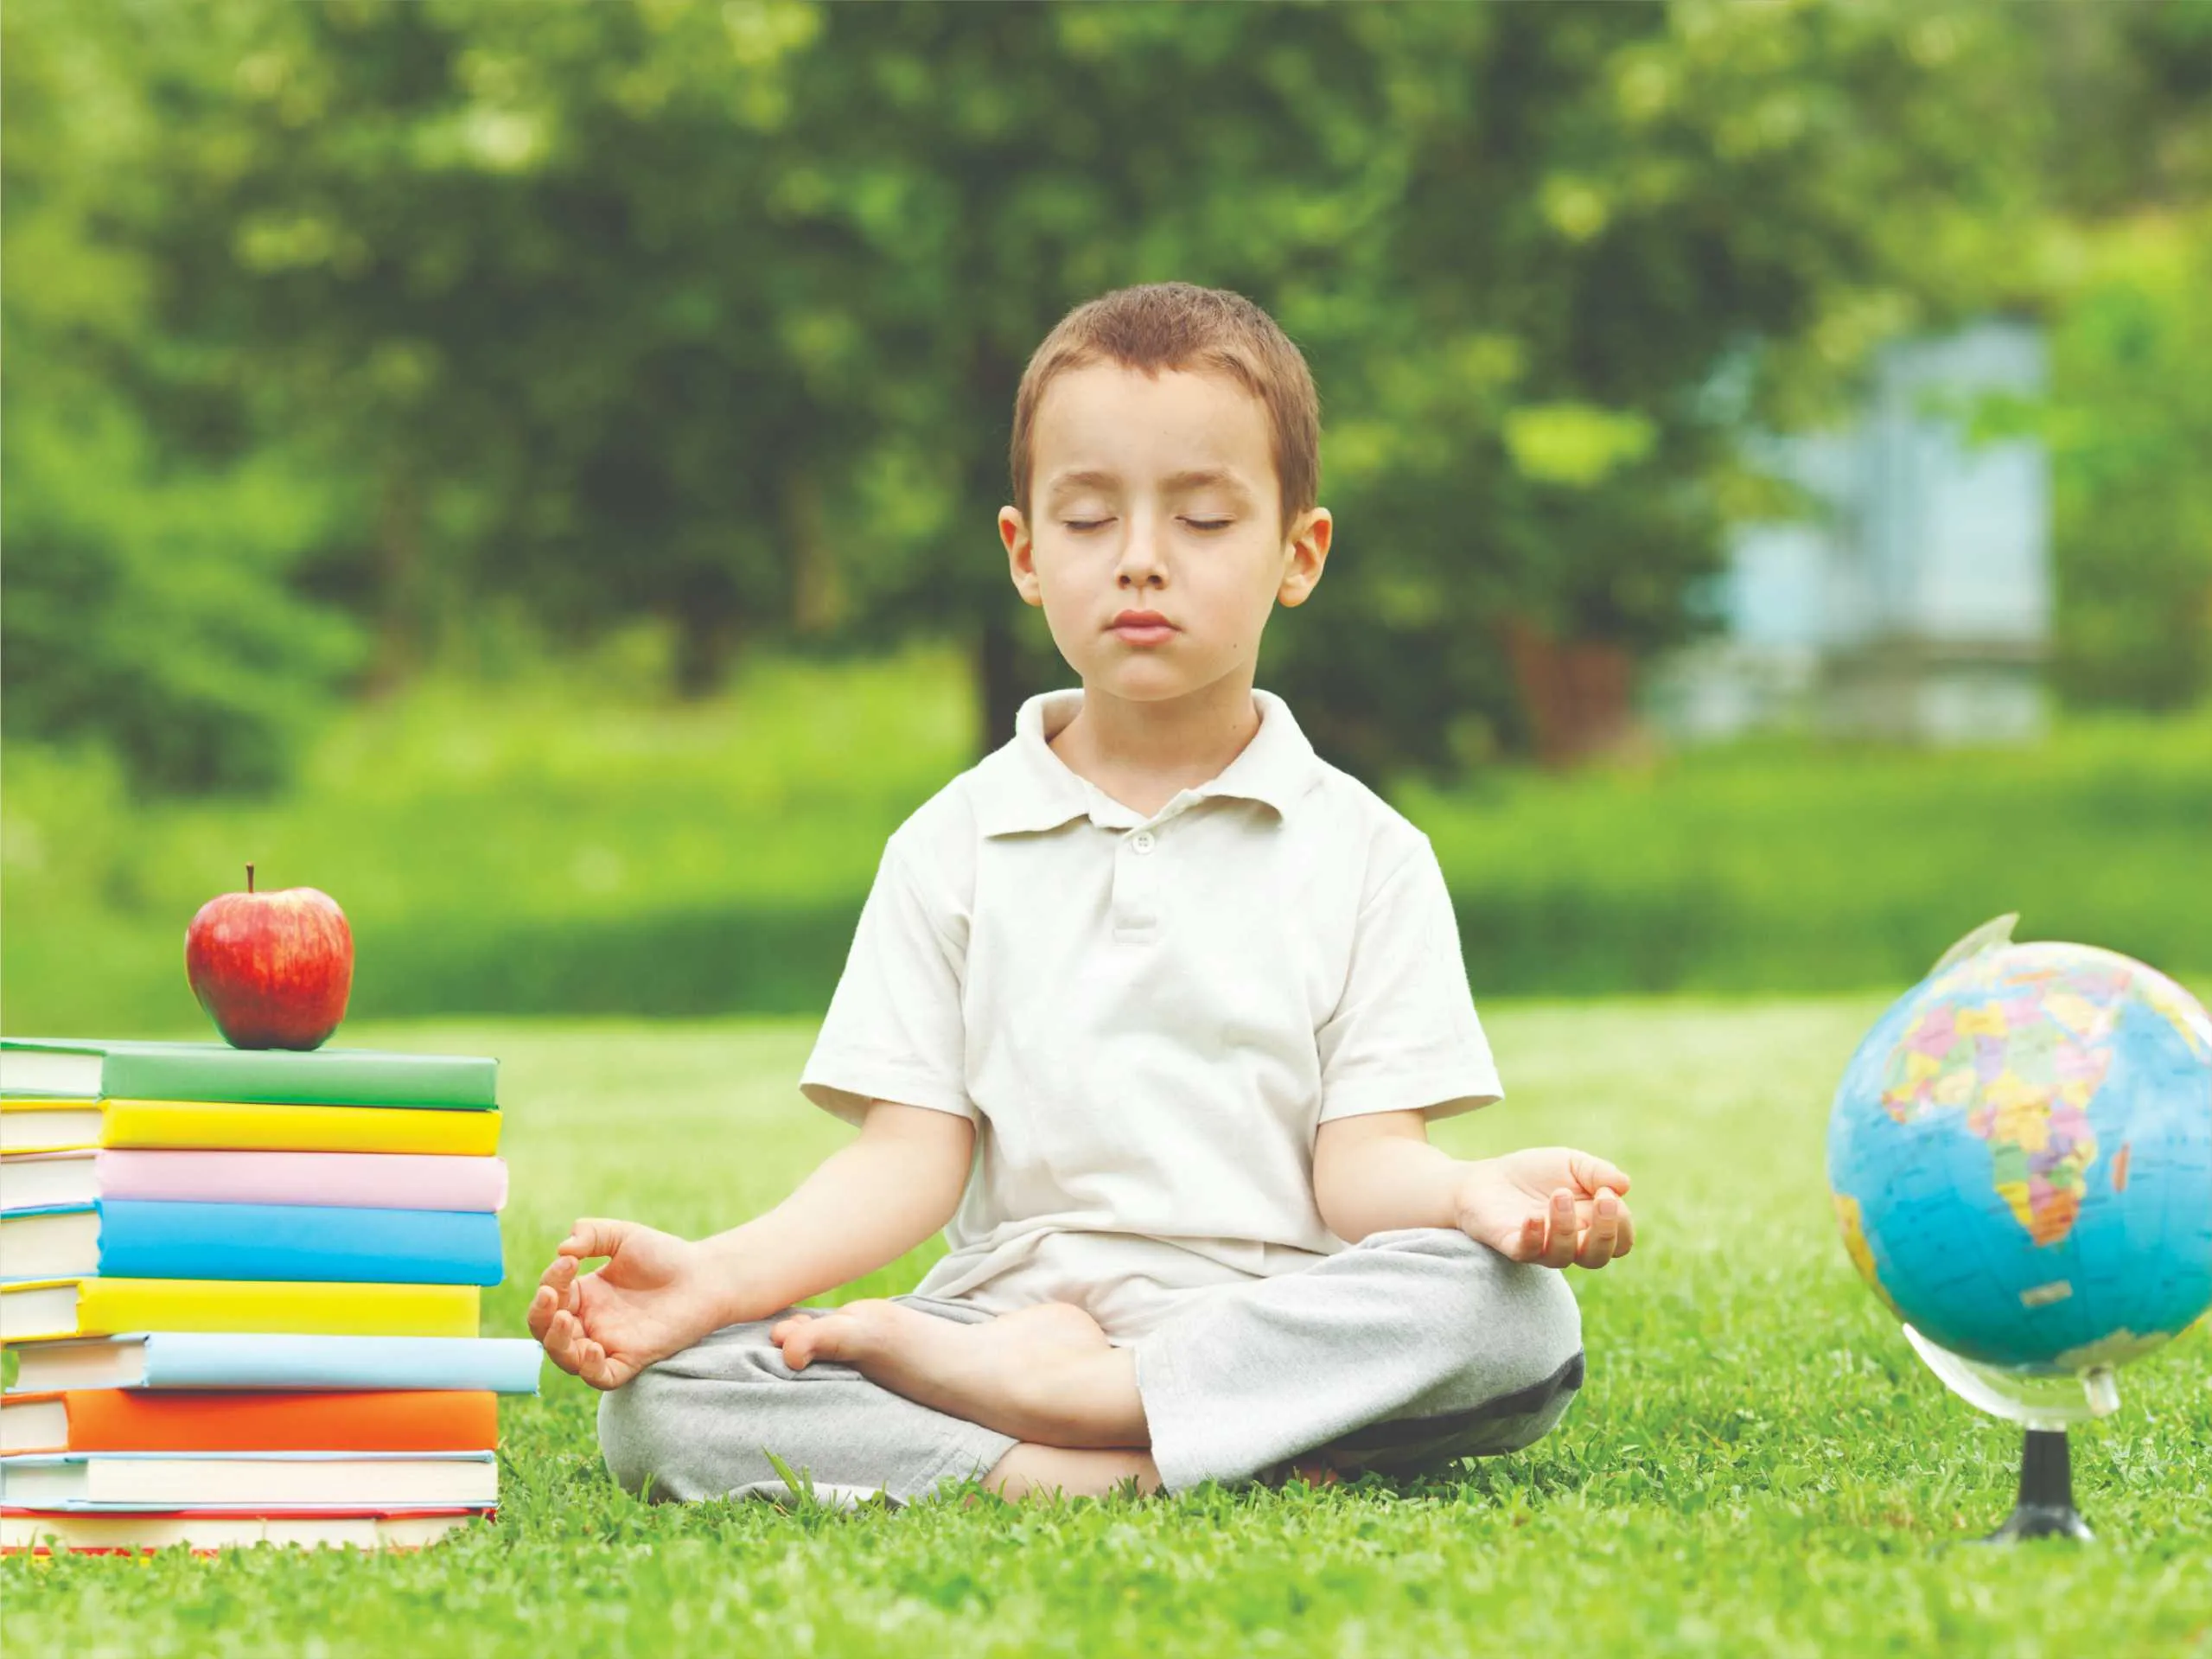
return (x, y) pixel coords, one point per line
(2130, 427)
(1778, 868)
(562, 841)
(151, 550)
(155, 613)
(550, 849)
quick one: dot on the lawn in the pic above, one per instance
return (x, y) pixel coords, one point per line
(1758, 1463)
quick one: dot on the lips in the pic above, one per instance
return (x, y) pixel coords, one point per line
(1141, 619)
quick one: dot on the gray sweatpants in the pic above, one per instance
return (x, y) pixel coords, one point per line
(1405, 1352)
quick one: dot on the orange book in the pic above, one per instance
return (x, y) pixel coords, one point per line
(127, 1420)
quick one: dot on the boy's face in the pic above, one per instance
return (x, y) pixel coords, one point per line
(1157, 494)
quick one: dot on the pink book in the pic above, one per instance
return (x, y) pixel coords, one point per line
(353, 1180)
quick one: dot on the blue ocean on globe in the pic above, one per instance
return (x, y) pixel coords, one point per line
(2021, 1156)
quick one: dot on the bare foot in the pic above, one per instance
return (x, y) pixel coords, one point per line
(1042, 1470)
(1045, 1374)
(1314, 1472)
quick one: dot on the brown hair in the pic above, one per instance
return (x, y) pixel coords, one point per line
(1176, 325)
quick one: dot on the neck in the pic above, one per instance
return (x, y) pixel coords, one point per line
(1143, 750)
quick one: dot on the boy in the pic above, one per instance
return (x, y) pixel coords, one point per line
(1153, 1006)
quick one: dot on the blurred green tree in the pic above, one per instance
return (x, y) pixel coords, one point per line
(152, 599)
(2129, 414)
(1520, 245)
(714, 313)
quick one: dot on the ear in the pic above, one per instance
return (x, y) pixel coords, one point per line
(1305, 552)
(1020, 554)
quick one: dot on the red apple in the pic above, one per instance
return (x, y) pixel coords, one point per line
(272, 969)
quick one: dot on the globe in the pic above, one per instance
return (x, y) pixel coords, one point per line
(2021, 1156)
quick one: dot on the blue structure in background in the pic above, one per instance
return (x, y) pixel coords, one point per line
(1914, 600)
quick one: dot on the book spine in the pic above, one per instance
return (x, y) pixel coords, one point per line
(321, 1077)
(257, 1125)
(306, 1242)
(116, 1420)
(189, 1360)
(348, 1180)
(107, 1306)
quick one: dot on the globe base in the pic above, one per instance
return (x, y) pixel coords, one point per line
(2046, 1506)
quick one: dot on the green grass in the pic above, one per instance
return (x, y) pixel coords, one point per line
(562, 841)
(1757, 1465)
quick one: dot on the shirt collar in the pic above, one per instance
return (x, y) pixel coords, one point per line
(1024, 786)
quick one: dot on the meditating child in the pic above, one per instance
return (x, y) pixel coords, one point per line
(1153, 1006)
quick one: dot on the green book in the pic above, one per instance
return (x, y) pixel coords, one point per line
(92, 1068)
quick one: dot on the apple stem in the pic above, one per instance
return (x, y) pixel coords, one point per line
(249, 878)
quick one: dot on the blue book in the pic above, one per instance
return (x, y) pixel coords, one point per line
(191, 1359)
(139, 1238)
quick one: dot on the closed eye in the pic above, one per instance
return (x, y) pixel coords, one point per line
(1085, 524)
(1208, 524)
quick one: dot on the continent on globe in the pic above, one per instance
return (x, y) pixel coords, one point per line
(2025, 1066)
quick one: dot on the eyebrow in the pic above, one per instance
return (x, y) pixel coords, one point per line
(1193, 478)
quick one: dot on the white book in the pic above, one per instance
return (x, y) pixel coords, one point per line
(36, 1128)
(349, 1480)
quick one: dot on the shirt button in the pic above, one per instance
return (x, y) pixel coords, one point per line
(1142, 841)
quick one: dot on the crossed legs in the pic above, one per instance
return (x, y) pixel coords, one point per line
(1408, 1350)
(1046, 1374)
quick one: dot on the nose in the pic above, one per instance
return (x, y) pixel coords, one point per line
(1139, 563)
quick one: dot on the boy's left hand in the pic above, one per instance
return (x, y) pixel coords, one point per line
(1551, 1205)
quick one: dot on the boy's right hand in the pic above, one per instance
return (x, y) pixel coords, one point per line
(655, 1297)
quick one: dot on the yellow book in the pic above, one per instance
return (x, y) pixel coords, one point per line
(62, 1126)
(38, 1309)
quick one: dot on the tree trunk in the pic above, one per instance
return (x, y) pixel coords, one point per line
(1579, 694)
(706, 640)
(999, 680)
(399, 574)
(818, 595)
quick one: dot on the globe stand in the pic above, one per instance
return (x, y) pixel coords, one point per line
(2046, 1506)
(2044, 1405)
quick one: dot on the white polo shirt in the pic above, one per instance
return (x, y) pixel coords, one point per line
(1148, 1018)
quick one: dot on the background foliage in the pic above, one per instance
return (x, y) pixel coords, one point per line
(331, 326)
(532, 847)
(506, 458)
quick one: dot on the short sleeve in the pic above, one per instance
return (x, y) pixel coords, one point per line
(1405, 1034)
(894, 1031)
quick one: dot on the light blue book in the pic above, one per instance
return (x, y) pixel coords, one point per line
(129, 1238)
(184, 1359)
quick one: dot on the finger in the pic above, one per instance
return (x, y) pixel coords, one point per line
(594, 1235)
(559, 1270)
(561, 1334)
(560, 1280)
(1560, 1247)
(543, 1305)
(1529, 1247)
(1628, 1238)
(594, 1367)
(1596, 1247)
(1592, 1173)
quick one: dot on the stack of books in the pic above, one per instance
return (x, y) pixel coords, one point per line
(238, 1290)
